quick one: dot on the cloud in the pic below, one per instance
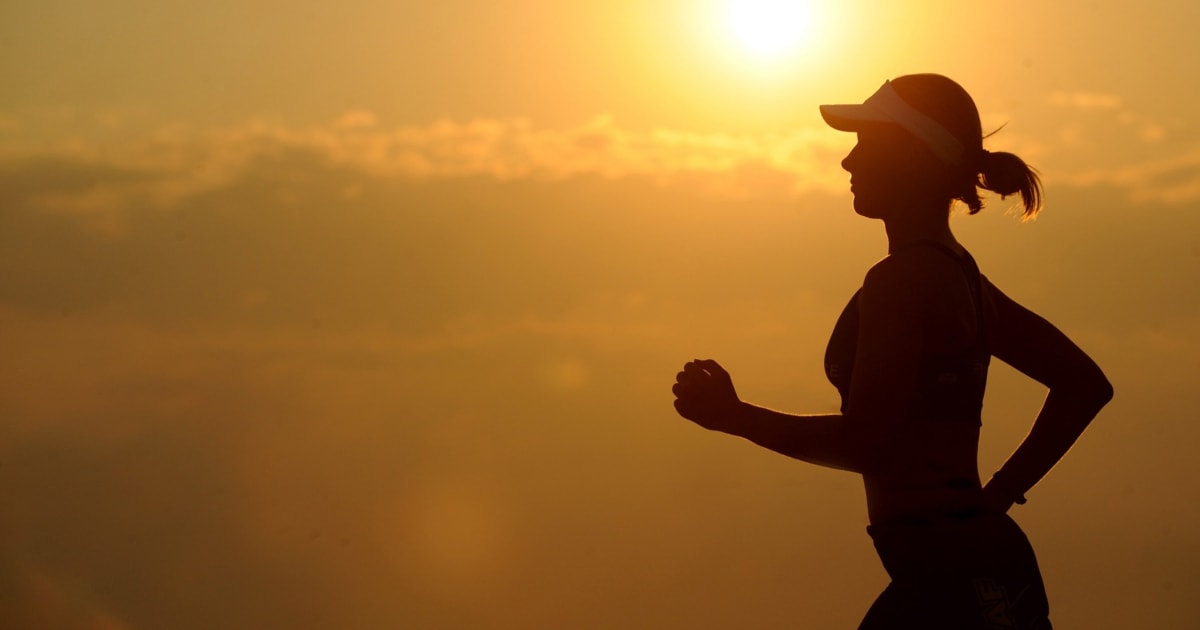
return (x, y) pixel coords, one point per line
(1085, 100)
(1172, 180)
(355, 119)
(515, 149)
(1085, 138)
(1093, 140)
(177, 161)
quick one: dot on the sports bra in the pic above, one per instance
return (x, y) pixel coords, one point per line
(950, 385)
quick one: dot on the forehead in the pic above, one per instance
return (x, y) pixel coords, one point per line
(880, 131)
(885, 134)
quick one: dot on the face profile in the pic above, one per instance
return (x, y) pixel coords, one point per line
(889, 168)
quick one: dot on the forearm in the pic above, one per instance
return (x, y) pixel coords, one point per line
(822, 439)
(1062, 419)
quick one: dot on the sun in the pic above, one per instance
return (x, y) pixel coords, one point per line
(769, 28)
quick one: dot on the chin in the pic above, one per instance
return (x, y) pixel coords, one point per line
(867, 209)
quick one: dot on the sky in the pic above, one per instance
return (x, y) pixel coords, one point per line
(365, 314)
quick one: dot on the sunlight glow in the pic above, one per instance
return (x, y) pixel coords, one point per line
(769, 27)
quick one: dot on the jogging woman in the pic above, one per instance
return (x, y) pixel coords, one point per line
(909, 356)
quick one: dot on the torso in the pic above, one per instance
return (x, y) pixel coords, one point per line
(935, 471)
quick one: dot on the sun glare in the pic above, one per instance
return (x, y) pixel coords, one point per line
(769, 27)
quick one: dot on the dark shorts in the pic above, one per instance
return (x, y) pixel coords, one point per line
(965, 572)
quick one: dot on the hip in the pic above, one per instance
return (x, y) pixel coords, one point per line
(966, 570)
(956, 541)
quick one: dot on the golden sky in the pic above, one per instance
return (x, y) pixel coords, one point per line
(365, 314)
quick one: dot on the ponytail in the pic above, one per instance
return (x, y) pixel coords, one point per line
(1006, 174)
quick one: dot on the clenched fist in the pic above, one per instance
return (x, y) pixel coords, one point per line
(705, 395)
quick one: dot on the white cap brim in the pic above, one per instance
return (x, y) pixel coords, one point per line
(852, 117)
(886, 106)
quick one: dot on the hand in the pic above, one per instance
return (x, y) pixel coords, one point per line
(704, 394)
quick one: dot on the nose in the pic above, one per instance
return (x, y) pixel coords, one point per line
(850, 160)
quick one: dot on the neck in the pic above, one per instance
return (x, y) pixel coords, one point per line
(917, 227)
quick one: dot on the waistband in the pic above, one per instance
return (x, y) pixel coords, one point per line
(916, 521)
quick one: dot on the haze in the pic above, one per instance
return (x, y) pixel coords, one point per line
(365, 315)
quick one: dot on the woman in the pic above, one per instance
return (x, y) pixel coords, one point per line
(909, 356)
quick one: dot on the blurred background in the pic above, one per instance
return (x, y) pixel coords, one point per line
(365, 314)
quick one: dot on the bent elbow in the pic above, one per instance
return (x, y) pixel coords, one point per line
(1104, 391)
(1098, 389)
(1094, 391)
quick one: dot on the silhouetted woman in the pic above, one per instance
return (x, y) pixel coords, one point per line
(909, 356)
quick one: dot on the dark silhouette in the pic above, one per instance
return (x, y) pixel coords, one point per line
(909, 356)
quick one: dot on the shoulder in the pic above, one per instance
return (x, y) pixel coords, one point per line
(894, 296)
(910, 277)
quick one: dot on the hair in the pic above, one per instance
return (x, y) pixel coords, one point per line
(1006, 174)
(1003, 173)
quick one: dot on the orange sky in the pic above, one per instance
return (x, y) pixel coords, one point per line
(365, 315)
